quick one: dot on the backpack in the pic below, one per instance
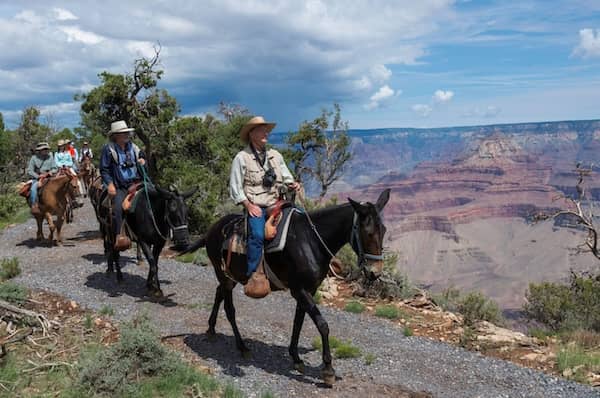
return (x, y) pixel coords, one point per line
(113, 152)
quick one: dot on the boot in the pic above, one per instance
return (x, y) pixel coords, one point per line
(258, 285)
(35, 209)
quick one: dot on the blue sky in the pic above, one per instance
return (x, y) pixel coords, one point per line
(388, 63)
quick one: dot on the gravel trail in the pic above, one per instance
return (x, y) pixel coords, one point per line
(401, 363)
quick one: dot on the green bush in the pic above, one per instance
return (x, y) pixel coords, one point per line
(9, 268)
(407, 331)
(571, 306)
(107, 310)
(473, 306)
(476, 307)
(10, 203)
(340, 348)
(387, 311)
(355, 307)
(12, 292)
(137, 353)
(573, 357)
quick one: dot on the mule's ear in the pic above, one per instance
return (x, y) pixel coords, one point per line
(360, 209)
(382, 200)
(189, 193)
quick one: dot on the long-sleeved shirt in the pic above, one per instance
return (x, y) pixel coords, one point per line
(63, 159)
(119, 173)
(85, 152)
(238, 171)
(39, 166)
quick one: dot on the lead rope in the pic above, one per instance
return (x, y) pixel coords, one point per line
(312, 225)
(146, 180)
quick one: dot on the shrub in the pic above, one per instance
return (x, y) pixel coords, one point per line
(355, 307)
(476, 307)
(9, 204)
(347, 350)
(407, 331)
(370, 359)
(9, 268)
(107, 310)
(12, 292)
(448, 299)
(573, 357)
(568, 307)
(392, 284)
(387, 311)
(138, 352)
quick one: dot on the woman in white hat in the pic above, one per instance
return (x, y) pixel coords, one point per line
(257, 173)
(63, 157)
(119, 167)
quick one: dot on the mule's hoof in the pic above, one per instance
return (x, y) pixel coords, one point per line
(299, 367)
(211, 335)
(246, 354)
(328, 376)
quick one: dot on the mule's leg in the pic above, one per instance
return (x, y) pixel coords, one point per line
(230, 312)
(50, 226)
(151, 284)
(138, 254)
(307, 303)
(212, 320)
(59, 224)
(117, 260)
(40, 227)
(293, 349)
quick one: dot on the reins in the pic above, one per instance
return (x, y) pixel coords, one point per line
(146, 180)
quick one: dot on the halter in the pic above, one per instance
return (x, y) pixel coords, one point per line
(355, 239)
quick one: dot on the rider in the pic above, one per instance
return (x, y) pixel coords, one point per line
(85, 151)
(73, 151)
(118, 167)
(63, 159)
(257, 173)
(40, 165)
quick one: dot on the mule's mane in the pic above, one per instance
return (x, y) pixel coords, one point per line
(327, 211)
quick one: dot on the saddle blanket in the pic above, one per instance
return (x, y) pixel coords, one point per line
(237, 234)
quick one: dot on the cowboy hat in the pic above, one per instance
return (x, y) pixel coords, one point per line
(119, 127)
(62, 142)
(255, 121)
(41, 146)
(85, 142)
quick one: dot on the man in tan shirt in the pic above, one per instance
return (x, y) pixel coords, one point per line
(257, 173)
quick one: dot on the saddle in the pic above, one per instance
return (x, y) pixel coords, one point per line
(131, 198)
(235, 233)
(24, 188)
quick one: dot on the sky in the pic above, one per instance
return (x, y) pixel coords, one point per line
(427, 63)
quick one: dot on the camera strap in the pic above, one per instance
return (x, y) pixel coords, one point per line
(261, 160)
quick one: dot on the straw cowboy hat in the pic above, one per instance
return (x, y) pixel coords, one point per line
(119, 127)
(41, 146)
(62, 142)
(255, 121)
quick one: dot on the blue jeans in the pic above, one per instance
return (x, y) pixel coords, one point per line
(256, 240)
(33, 192)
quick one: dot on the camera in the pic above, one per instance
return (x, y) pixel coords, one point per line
(269, 178)
(128, 164)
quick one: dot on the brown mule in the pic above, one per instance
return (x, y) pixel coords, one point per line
(87, 173)
(54, 199)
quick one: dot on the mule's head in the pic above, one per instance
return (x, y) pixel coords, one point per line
(176, 215)
(367, 235)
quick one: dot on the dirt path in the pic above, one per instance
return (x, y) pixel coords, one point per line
(400, 363)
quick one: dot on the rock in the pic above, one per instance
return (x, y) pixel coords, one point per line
(568, 372)
(98, 322)
(491, 334)
(420, 300)
(534, 357)
(73, 304)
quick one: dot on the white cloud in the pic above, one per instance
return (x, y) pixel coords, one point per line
(382, 95)
(63, 15)
(422, 109)
(74, 33)
(380, 74)
(442, 96)
(589, 43)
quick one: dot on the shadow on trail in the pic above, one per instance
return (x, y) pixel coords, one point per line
(271, 358)
(33, 243)
(132, 285)
(86, 235)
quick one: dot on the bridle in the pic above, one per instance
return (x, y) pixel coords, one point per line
(356, 243)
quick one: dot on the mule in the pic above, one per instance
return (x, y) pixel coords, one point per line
(54, 200)
(158, 214)
(303, 264)
(87, 173)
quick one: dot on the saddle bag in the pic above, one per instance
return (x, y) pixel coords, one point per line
(24, 189)
(258, 286)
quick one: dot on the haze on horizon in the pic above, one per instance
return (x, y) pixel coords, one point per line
(437, 63)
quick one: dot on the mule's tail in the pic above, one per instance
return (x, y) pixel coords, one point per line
(195, 246)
